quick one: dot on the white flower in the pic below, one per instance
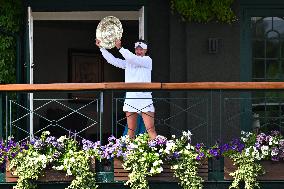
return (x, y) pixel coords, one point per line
(46, 133)
(175, 167)
(252, 151)
(247, 153)
(61, 139)
(157, 163)
(160, 169)
(133, 146)
(274, 152)
(69, 172)
(72, 159)
(61, 167)
(170, 145)
(264, 149)
(189, 147)
(152, 170)
(187, 134)
(244, 139)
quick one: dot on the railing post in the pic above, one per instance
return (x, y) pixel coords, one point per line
(10, 118)
(216, 166)
(31, 109)
(101, 112)
(1, 116)
(215, 169)
(112, 124)
(6, 116)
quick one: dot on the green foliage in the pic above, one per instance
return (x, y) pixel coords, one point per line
(10, 20)
(50, 153)
(247, 170)
(186, 170)
(204, 10)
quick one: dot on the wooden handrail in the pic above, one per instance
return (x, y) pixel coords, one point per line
(223, 85)
(143, 86)
(79, 86)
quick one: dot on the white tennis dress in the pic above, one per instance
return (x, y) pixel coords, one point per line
(137, 69)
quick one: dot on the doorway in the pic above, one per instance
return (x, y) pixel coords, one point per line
(62, 50)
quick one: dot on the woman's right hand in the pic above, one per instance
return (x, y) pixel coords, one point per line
(98, 43)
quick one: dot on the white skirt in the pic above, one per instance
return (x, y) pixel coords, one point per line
(138, 102)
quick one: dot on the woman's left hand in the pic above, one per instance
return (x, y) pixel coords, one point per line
(118, 44)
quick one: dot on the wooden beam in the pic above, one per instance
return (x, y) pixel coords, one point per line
(79, 86)
(143, 86)
(52, 87)
(223, 85)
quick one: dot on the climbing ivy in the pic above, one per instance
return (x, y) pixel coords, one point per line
(203, 11)
(10, 21)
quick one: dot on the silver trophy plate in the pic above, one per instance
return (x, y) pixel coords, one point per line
(108, 30)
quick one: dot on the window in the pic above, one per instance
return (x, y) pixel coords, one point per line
(267, 34)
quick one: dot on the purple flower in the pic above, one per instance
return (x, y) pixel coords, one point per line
(13, 154)
(111, 139)
(176, 155)
(200, 156)
(56, 155)
(161, 140)
(38, 144)
(274, 158)
(268, 138)
(152, 143)
(225, 148)
(275, 133)
(198, 146)
(50, 139)
(257, 145)
(158, 141)
(281, 143)
(281, 153)
(261, 138)
(214, 152)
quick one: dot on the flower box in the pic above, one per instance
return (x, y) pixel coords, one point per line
(120, 174)
(273, 170)
(49, 175)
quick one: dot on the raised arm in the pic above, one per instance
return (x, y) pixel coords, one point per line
(112, 60)
(142, 61)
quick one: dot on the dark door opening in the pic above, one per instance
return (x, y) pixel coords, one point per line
(65, 51)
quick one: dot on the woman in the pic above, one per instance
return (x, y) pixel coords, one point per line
(137, 68)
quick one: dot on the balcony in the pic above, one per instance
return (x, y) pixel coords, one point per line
(210, 110)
